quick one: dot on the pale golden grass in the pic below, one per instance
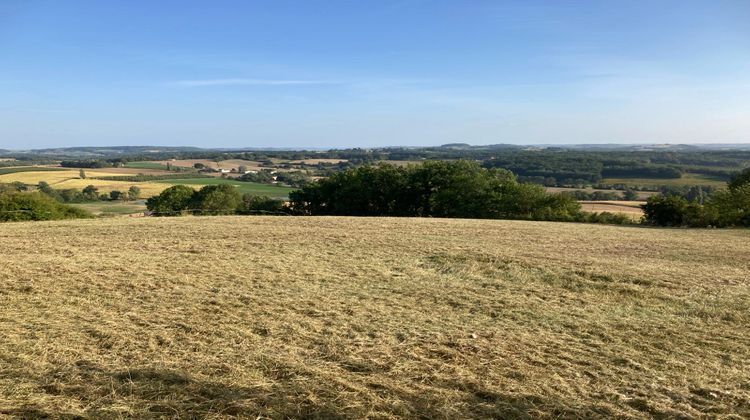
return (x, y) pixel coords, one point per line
(371, 317)
(629, 208)
(51, 177)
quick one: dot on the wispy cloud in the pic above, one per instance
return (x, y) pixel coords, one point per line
(250, 82)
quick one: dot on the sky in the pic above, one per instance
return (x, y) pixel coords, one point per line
(319, 74)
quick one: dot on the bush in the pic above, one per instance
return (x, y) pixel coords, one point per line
(254, 204)
(665, 210)
(607, 218)
(18, 206)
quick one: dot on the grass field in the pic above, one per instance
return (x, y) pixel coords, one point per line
(273, 191)
(147, 165)
(113, 208)
(687, 179)
(282, 317)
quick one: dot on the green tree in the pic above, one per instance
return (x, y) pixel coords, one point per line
(665, 210)
(116, 195)
(433, 189)
(134, 192)
(216, 199)
(739, 180)
(629, 195)
(171, 202)
(90, 193)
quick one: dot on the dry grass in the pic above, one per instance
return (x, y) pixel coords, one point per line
(345, 317)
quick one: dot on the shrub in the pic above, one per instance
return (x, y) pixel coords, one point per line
(18, 206)
(254, 204)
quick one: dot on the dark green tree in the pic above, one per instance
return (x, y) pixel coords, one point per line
(216, 199)
(90, 193)
(665, 210)
(134, 192)
(171, 202)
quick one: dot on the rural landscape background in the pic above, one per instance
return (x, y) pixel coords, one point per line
(401, 209)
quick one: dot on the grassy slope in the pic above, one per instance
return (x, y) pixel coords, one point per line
(273, 191)
(193, 317)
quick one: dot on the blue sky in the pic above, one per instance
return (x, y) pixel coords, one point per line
(357, 73)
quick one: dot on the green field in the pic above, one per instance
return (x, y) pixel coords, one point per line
(687, 179)
(254, 188)
(16, 169)
(113, 208)
(146, 165)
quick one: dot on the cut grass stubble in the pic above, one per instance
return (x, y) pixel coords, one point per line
(371, 317)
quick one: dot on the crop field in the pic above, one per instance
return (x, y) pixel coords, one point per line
(273, 191)
(69, 178)
(18, 169)
(328, 317)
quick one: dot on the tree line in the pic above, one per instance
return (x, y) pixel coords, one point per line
(724, 208)
(211, 200)
(460, 189)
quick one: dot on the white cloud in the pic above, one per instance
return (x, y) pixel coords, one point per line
(249, 82)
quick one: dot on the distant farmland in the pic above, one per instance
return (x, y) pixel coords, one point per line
(61, 178)
(333, 317)
(274, 191)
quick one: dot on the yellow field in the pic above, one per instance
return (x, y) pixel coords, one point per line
(330, 317)
(630, 208)
(70, 179)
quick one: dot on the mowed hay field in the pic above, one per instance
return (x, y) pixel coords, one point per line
(371, 317)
